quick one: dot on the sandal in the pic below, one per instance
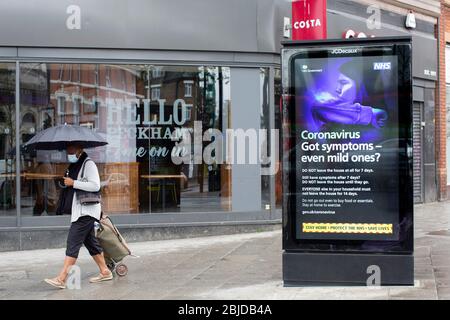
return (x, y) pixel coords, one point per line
(56, 282)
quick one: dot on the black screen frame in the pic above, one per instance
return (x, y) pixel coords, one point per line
(398, 46)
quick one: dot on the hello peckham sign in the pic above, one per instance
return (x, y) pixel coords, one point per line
(130, 119)
(309, 19)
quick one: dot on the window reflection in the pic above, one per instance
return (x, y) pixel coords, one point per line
(278, 125)
(144, 112)
(7, 139)
(265, 124)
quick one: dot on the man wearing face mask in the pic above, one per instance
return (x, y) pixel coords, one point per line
(83, 217)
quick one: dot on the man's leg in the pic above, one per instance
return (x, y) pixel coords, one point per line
(96, 251)
(100, 260)
(68, 262)
(105, 273)
(74, 242)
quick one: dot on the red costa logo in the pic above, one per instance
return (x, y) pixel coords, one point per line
(309, 19)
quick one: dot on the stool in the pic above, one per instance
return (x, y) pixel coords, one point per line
(156, 188)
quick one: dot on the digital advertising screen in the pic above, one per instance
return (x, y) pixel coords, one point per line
(350, 119)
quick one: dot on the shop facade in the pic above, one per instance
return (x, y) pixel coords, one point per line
(145, 74)
(148, 84)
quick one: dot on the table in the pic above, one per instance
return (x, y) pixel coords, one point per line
(31, 176)
(10, 175)
(163, 178)
(36, 176)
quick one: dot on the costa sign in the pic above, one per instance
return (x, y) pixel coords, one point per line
(309, 19)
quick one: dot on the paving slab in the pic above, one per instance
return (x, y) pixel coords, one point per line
(243, 266)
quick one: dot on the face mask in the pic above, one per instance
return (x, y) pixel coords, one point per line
(72, 158)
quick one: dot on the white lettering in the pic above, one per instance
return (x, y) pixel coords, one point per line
(343, 51)
(374, 21)
(312, 23)
(176, 112)
(161, 113)
(73, 21)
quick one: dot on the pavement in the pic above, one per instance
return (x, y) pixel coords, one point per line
(242, 266)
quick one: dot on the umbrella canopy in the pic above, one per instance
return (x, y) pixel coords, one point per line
(59, 137)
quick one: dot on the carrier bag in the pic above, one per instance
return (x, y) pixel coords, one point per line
(114, 246)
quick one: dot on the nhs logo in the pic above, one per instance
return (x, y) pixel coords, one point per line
(381, 66)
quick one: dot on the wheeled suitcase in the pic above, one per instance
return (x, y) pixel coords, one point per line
(115, 249)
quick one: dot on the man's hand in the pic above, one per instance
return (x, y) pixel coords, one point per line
(68, 182)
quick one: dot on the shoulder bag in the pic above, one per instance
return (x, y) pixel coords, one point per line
(87, 197)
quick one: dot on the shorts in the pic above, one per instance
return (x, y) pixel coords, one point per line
(82, 232)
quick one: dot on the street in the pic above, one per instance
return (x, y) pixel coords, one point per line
(243, 266)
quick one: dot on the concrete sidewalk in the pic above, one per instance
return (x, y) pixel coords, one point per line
(246, 266)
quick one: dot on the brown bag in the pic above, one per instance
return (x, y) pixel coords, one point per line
(114, 246)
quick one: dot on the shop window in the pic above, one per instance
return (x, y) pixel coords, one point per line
(156, 92)
(96, 76)
(70, 69)
(61, 108)
(61, 72)
(78, 73)
(7, 140)
(76, 106)
(278, 126)
(123, 78)
(188, 89)
(188, 114)
(61, 102)
(28, 118)
(47, 120)
(157, 72)
(91, 107)
(3, 150)
(108, 77)
(265, 124)
(2, 117)
(137, 172)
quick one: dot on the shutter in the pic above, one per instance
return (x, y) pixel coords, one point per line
(417, 152)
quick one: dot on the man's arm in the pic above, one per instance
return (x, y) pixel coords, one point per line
(93, 179)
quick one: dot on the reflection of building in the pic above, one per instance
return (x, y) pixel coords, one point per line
(79, 94)
(7, 121)
(117, 101)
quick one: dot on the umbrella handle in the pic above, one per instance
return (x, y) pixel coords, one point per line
(61, 185)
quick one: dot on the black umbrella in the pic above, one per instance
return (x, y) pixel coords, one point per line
(59, 137)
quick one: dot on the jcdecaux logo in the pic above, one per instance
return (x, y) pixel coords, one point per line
(344, 51)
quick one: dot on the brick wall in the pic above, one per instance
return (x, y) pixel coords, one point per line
(441, 120)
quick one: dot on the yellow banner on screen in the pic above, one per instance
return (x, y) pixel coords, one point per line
(377, 228)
